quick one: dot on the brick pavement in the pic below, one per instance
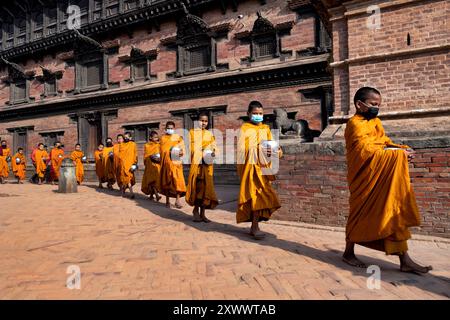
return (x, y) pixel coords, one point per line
(136, 249)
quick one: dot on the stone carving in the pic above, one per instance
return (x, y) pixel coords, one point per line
(297, 128)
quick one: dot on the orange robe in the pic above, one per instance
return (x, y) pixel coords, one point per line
(56, 158)
(152, 169)
(127, 155)
(171, 178)
(99, 167)
(256, 193)
(382, 202)
(200, 188)
(41, 157)
(19, 169)
(4, 169)
(79, 169)
(108, 165)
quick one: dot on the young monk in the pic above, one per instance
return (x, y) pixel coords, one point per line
(382, 201)
(127, 159)
(172, 178)
(4, 159)
(108, 163)
(99, 167)
(18, 164)
(77, 157)
(41, 157)
(200, 189)
(56, 158)
(150, 181)
(257, 199)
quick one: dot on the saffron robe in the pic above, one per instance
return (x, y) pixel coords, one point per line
(152, 169)
(4, 169)
(99, 167)
(256, 193)
(41, 157)
(200, 188)
(382, 201)
(79, 169)
(127, 155)
(108, 164)
(19, 169)
(56, 158)
(171, 177)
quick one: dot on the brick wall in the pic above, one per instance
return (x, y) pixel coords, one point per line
(312, 183)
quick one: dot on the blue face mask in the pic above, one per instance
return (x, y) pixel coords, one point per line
(257, 118)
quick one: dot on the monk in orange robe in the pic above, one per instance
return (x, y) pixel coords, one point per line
(257, 199)
(382, 201)
(108, 163)
(4, 159)
(78, 158)
(99, 166)
(18, 164)
(152, 160)
(41, 156)
(200, 189)
(172, 178)
(126, 164)
(56, 158)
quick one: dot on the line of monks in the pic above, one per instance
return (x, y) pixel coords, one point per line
(382, 202)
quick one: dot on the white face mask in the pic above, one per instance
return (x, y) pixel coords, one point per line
(170, 131)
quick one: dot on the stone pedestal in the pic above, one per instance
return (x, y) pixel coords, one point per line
(67, 177)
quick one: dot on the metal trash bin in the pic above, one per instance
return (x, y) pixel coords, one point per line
(67, 178)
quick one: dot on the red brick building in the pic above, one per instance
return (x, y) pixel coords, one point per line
(134, 64)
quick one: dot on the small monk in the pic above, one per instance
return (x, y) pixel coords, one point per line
(257, 198)
(41, 157)
(99, 166)
(126, 164)
(152, 160)
(382, 201)
(108, 163)
(200, 189)
(4, 159)
(172, 179)
(56, 158)
(18, 164)
(78, 158)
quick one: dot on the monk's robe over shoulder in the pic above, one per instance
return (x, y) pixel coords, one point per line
(200, 188)
(79, 169)
(152, 169)
(172, 178)
(127, 156)
(108, 165)
(41, 157)
(256, 193)
(99, 167)
(4, 169)
(382, 202)
(19, 169)
(56, 158)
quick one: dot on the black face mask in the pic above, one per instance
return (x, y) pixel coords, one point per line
(109, 144)
(3, 145)
(371, 113)
(126, 139)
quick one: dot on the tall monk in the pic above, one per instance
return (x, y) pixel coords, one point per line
(78, 158)
(382, 201)
(4, 159)
(257, 199)
(56, 158)
(99, 166)
(18, 164)
(108, 163)
(41, 157)
(200, 189)
(172, 178)
(127, 164)
(152, 160)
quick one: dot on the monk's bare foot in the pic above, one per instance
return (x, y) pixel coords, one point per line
(352, 260)
(151, 198)
(205, 219)
(257, 234)
(178, 205)
(408, 265)
(158, 197)
(196, 214)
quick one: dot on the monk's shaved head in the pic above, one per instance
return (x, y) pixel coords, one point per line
(365, 93)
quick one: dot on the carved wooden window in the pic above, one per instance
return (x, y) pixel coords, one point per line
(198, 58)
(50, 87)
(139, 70)
(112, 7)
(265, 46)
(51, 137)
(84, 11)
(92, 72)
(20, 138)
(97, 10)
(21, 25)
(264, 40)
(38, 25)
(9, 32)
(51, 16)
(63, 15)
(18, 91)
